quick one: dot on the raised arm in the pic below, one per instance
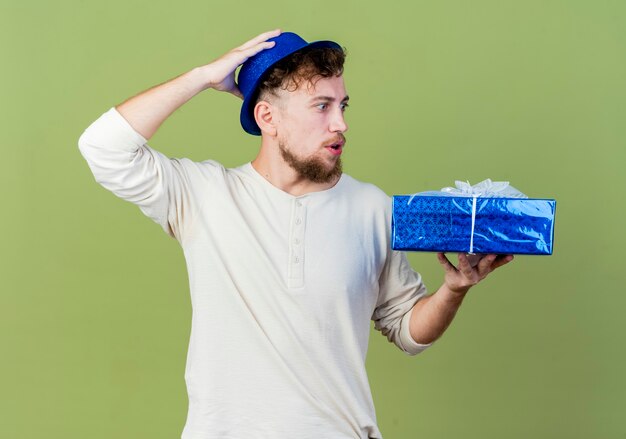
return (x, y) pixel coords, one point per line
(146, 111)
(115, 145)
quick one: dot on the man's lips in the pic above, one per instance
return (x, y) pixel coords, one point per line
(336, 148)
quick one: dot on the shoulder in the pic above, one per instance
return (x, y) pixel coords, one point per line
(360, 190)
(203, 175)
(206, 168)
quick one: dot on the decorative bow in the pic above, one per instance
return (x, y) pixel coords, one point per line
(485, 189)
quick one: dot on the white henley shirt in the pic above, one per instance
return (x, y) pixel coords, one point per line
(282, 288)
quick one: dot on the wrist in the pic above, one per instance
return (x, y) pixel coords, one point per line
(454, 293)
(202, 75)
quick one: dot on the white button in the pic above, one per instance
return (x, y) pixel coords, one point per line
(295, 259)
(298, 221)
(296, 241)
(299, 204)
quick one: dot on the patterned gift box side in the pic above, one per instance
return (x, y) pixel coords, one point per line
(502, 225)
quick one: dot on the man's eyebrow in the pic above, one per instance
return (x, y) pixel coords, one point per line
(328, 98)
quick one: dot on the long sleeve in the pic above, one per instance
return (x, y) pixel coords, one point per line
(122, 162)
(400, 288)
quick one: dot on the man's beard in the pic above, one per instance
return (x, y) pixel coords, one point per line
(313, 169)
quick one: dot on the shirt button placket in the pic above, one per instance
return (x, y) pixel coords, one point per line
(296, 259)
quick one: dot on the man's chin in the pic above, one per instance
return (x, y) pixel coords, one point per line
(313, 169)
(325, 174)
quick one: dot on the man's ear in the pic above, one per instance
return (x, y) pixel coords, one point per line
(265, 116)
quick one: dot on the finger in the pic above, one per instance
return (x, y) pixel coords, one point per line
(237, 57)
(447, 265)
(464, 265)
(235, 91)
(260, 38)
(485, 264)
(501, 260)
(253, 50)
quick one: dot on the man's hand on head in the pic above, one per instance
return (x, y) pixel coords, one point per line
(461, 278)
(220, 74)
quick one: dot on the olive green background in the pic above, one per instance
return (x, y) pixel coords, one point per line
(94, 302)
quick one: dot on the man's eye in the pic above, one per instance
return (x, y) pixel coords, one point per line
(344, 106)
(322, 106)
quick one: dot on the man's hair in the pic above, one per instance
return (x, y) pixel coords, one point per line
(307, 65)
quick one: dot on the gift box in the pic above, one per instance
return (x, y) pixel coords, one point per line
(472, 220)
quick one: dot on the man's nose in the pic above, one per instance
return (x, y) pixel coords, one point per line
(338, 123)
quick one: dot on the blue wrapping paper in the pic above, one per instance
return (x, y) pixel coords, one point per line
(501, 225)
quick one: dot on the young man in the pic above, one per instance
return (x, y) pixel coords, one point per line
(289, 258)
